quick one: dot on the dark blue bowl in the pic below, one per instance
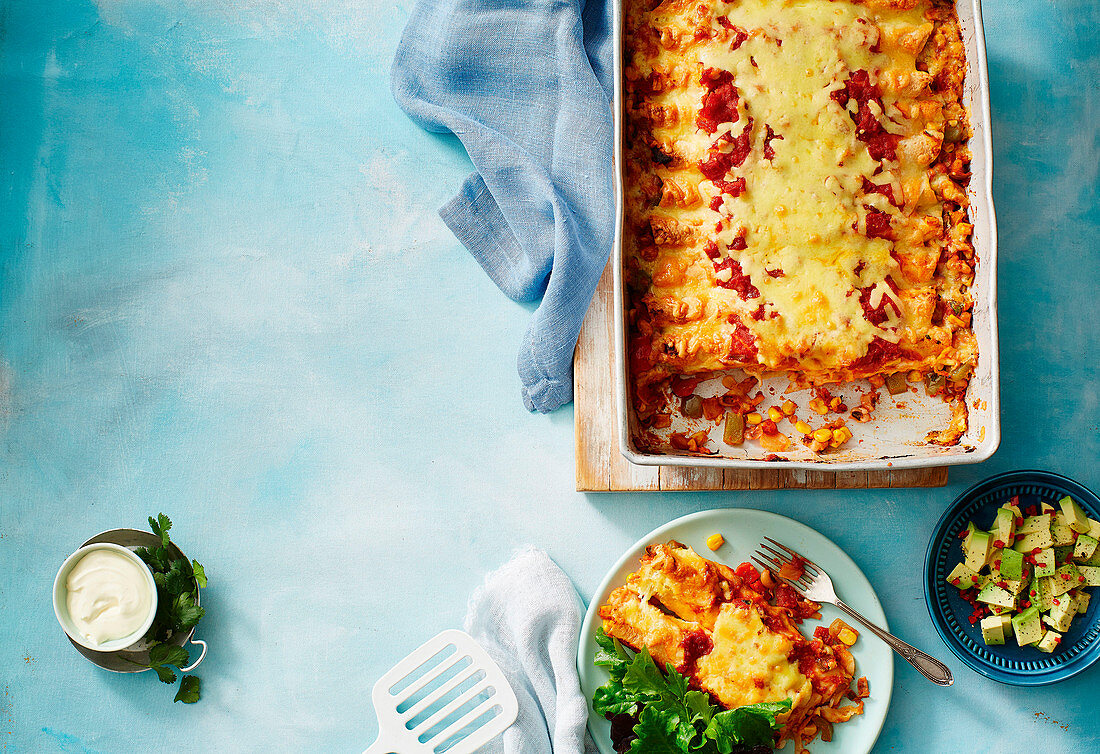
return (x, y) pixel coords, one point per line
(1011, 664)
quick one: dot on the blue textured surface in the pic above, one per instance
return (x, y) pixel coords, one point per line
(225, 293)
(1008, 663)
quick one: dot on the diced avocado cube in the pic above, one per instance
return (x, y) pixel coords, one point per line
(1045, 508)
(1014, 508)
(1039, 593)
(1004, 527)
(1063, 554)
(1061, 534)
(1033, 524)
(1012, 564)
(1049, 642)
(978, 548)
(1028, 627)
(994, 559)
(1085, 547)
(1094, 559)
(1091, 574)
(1082, 599)
(1065, 578)
(995, 628)
(1045, 563)
(962, 577)
(1075, 517)
(1094, 528)
(1029, 542)
(995, 595)
(1061, 614)
(995, 610)
(970, 529)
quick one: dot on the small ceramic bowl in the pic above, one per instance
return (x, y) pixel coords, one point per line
(1007, 663)
(132, 658)
(60, 598)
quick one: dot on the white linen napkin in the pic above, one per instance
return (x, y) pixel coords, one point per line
(527, 616)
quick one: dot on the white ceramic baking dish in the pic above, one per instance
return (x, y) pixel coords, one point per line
(894, 439)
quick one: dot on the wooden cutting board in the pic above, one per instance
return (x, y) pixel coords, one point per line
(602, 468)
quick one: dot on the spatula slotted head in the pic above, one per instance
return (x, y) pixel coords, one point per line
(447, 696)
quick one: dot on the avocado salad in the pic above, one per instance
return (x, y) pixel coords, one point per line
(1027, 576)
(655, 711)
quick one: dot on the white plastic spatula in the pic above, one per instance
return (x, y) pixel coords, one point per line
(447, 696)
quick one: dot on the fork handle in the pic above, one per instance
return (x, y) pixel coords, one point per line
(928, 666)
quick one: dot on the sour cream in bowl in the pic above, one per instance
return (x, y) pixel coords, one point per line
(104, 597)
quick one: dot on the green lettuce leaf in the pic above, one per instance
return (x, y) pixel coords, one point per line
(751, 725)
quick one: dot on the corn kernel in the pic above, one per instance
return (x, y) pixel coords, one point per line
(954, 321)
(842, 435)
(823, 435)
(803, 427)
(834, 404)
(789, 407)
(847, 636)
(819, 406)
(915, 376)
(817, 446)
(775, 414)
(754, 418)
(714, 541)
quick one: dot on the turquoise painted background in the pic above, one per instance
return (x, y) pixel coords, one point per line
(225, 294)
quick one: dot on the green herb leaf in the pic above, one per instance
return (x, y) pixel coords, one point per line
(166, 674)
(185, 613)
(200, 573)
(160, 526)
(177, 581)
(190, 690)
(168, 654)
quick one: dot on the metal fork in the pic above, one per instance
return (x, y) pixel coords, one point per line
(817, 586)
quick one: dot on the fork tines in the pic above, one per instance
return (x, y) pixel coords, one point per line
(774, 560)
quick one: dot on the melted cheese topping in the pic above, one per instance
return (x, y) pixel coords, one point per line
(811, 268)
(749, 663)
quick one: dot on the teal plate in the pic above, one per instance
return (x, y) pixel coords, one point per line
(1009, 663)
(744, 530)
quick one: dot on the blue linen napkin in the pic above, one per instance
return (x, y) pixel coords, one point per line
(525, 85)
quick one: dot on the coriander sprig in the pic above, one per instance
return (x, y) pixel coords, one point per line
(178, 581)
